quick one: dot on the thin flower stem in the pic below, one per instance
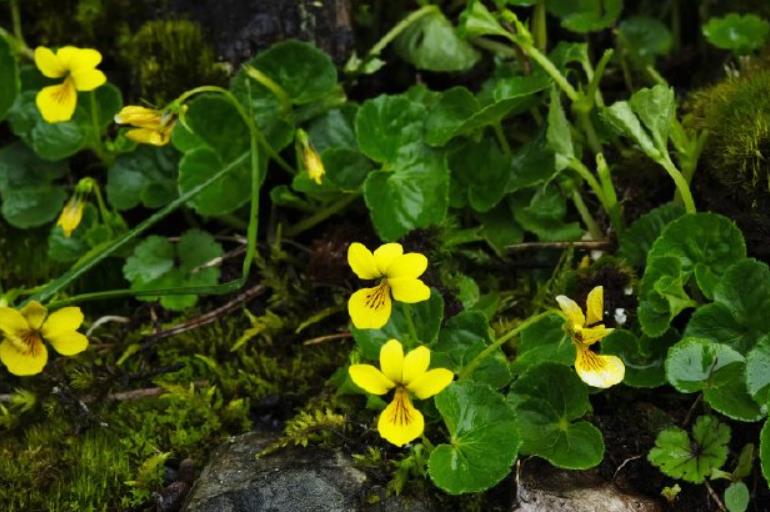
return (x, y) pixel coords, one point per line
(682, 187)
(16, 23)
(540, 28)
(544, 62)
(98, 145)
(585, 214)
(588, 176)
(320, 216)
(410, 323)
(270, 84)
(501, 138)
(469, 368)
(400, 27)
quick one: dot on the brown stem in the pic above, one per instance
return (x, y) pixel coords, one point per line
(583, 244)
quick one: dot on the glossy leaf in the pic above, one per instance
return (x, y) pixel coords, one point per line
(481, 169)
(758, 371)
(637, 240)
(739, 33)
(642, 356)
(146, 176)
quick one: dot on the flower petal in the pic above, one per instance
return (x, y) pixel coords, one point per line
(361, 260)
(56, 103)
(369, 308)
(595, 306)
(148, 136)
(392, 359)
(48, 63)
(412, 265)
(78, 59)
(88, 79)
(400, 423)
(431, 383)
(69, 343)
(370, 379)
(139, 116)
(599, 370)
(590, 335)
(62, 321)
(35, 314)
(572, 310)
(416, 363)
(385, 255)
(406, 289)
(12, 323)
(23, 363)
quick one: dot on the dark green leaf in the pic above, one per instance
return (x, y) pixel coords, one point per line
(345, 168)
(499, 228)
(642, 356)
(146, 175)
(9, 78)
(387, 123)
(662, 295)
(758, 371)
(482, 170)
(543, 214)
(544, 341)
(639, 237)
(584, 16)
(645, 39)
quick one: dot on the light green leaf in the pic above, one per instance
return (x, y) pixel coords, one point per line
(700, 365)
(642, 356)
(152, 258)
(431, 43)
(758, 371)
(737, 497)
(656, 108)
(558, 135)
(483, 440)
(741, 34)
(624, 120)
(662, 295)
(387, 123)
(548, 399)
(692, 459)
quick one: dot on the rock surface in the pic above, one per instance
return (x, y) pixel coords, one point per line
(543, 488)
(297, 479)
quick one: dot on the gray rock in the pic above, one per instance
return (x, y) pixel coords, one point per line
(293, 479)
(543, 488)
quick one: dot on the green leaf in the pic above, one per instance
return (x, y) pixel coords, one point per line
(481, 169)
(543, 214)
(476, 20)
(223, 138)
(385, 124)
(548, 399)
(157, 264)
(639, 237)
(642, 356)
(737, 497)
(764, 450)
(346, 168)
(542, 342)
(67, 249)
(462, 338)
(28, 195)
(656, 108)
(584, 16)
(426, 315)
(758, 371)
(691, 459)
(558, 135)
(704, 243)
(644, 39)
(430, 43)
(499, 228)
(662, 295)
(694, 365)
(334, 129)
(738, 315)
(145, 176)
(533, 163)
(483, 440)
(9, 78)
(413, 192)
(624, 120)
(741, 34)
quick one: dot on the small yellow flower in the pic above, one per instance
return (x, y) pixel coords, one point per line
(601, 371)
(71, 214)
(398, 273)
(311, 160)
(22, 350)
(151, 126)
(78, 68)
(400, 423)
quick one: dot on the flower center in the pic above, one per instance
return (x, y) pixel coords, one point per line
(64, 91)
(401, 415)
(591, 360)
(27, 342)
(376, 298)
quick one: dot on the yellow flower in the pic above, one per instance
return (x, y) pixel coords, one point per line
(71, 214)
(22, 350)
(313, 165)
(78, 68)
(370, 308)
(400, 423)
(151, 126)
(601, 371)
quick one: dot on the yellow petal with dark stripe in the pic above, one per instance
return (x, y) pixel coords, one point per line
(370, 308)
(56, 103)
(400, 423)
(599, 370)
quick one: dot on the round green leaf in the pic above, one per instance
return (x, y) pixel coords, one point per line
(758, 371)
(704, 243)
(764, 450)
(548, 398)
(739, 33)
(346, 168)
(147, 175)
(483, 439)
(644, 38)
(643, 356)
(482, 170)
(737, 497)
(636, 241)
(152, 258)
(542, 342)
(586, 15)
(385, 124)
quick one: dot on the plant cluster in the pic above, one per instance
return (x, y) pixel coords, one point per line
(534, 152)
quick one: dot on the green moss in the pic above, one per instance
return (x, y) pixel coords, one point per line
(170, 57)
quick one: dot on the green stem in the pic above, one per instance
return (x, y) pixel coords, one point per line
(594, 92)
(16, 23)
(610, 195)
(410, 323)
(101, 151)
(544, 62)
(400, 27)
(682, 187)
(587, 126)
(501, 138)
(586, 174)
(271, 85)
(320, 216)
(540, 32)
(585, 214)
(469, 368)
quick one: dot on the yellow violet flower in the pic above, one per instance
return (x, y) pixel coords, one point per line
(71, 214)
(601, 371)
(398, 273)
(22, 350)
(78, 68)
(400, 423)
(311, 160)
(151, 126)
